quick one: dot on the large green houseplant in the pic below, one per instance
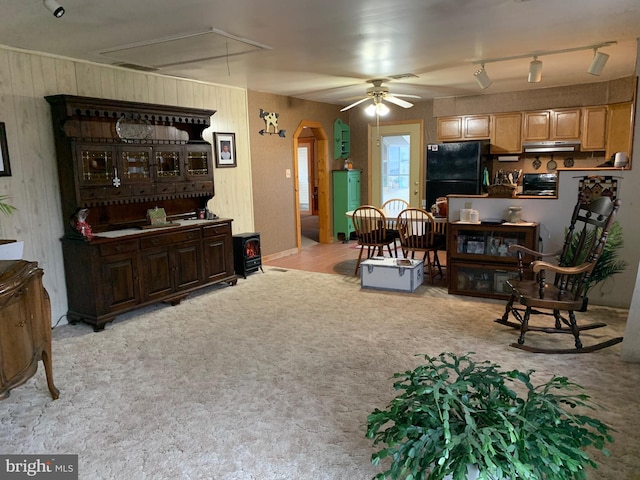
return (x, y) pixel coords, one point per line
(454, 412)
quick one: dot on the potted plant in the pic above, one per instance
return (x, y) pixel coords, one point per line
(455, 414)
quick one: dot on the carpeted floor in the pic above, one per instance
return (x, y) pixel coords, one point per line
(265, 381)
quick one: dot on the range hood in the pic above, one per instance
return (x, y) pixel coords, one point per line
(551, 146)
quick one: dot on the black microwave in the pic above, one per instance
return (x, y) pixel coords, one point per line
(539, 184)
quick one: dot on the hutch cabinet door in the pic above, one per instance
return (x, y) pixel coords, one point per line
(168, 163)
(187, 261)
(95, 164)
(120, 281)
(218, 252)
(157, 280)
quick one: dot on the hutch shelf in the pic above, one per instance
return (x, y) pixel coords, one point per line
(478, 263)
(120, 160)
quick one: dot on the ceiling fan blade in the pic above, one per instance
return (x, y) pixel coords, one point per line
(354, 104)
(405, 95)
(398, 101)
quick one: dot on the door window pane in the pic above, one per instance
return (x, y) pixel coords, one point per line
(395, 165)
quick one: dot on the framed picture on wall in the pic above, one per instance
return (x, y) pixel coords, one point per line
(5, 168)
(225, 149)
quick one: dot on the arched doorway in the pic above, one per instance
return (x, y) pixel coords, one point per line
(322, 175)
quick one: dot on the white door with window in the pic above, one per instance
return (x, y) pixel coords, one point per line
(396, 163)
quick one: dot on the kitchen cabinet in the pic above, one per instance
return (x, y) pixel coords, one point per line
(346, 197)
(561, 124)
(465, 127)
(25, 326)
(593, 135)
(565, 124)
(478, 262)
(620, 121)
(506, 133)
(120, 272)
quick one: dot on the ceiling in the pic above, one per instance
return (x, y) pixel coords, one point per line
(327, 50)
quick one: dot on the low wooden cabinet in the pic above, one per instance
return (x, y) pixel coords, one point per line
(117, 273)
(25, 325)
(477, 259)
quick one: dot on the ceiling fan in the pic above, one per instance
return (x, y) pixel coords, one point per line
(378, 93)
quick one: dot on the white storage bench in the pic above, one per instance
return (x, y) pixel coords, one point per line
(395, 274)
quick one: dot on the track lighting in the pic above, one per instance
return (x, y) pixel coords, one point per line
(535, 67)
(54, 7)
(482, 78)
(598, 63)
(535, 70)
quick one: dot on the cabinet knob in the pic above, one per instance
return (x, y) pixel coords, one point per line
(155, 241)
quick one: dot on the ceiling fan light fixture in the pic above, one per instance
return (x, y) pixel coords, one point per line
(535, 70)
(482, 78)
(598, 63)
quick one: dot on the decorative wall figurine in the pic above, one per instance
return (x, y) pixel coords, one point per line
(270, 120)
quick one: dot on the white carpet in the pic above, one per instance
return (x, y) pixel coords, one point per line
(272, 379)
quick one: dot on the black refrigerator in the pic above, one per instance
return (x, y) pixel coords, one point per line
(455, 168)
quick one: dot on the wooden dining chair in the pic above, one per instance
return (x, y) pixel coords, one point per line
(560, 296)
(417, 230)
(391, 209)
(370, 225)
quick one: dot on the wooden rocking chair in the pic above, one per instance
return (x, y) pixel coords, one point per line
(584, 241)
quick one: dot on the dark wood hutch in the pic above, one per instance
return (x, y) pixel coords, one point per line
(120, 159)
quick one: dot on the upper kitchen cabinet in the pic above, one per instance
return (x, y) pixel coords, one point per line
(562, 124)
(593, 135)
(506, 133)
(619, 129)
(464, 127)
(565, 124)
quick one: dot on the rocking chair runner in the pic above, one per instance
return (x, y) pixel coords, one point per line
(584, 241)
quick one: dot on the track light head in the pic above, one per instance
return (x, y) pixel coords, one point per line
(482, 78)
(54, 7)
(535, 70)
(598, 63)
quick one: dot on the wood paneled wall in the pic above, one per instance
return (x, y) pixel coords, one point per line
(27, 77)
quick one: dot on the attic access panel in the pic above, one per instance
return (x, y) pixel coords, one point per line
(183, 49)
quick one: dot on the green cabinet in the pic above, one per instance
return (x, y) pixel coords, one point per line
(346, 197)
(341, 140)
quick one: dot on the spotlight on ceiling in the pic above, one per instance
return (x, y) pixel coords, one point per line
(54, 7)
(377, 108)
(598, 63)
(535, 70)
(482, 78)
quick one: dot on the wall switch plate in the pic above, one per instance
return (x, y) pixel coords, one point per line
(287, 173)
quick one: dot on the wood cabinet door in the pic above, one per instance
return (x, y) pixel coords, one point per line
(16, 346)
(187, 261)
(120, 281)
(620, 129)
(157, 280)
(565, 124)
(506, 133)
(536, 126)
(449, 128)
(594, 131)
(476, 127)
(218, 257)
